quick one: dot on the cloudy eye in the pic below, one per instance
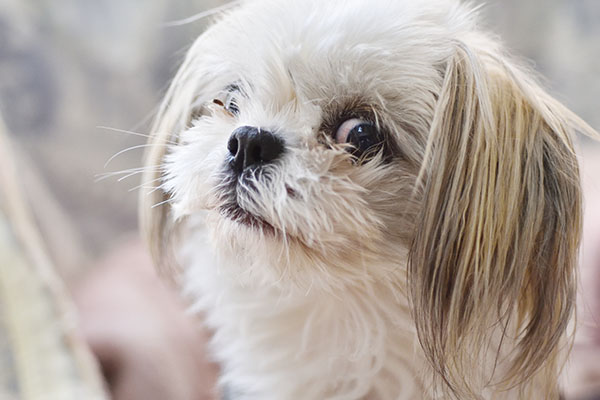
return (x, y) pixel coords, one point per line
(362, 135)
(228, 101)
(231, 104)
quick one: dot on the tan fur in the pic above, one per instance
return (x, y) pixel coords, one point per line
(502, 222)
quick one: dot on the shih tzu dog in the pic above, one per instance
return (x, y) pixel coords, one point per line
(368, 200)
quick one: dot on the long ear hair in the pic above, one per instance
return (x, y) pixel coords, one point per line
(196, 80)
(492, 266)
(174, 115)
(153, 202)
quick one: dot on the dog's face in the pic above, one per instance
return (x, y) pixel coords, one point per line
(345, 95)
(328, 144)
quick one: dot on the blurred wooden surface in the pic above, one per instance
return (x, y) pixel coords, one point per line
(42, 354)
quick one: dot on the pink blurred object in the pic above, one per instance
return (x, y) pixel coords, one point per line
(583, 372)
(149, 348)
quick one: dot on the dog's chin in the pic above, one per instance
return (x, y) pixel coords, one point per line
(235, 213)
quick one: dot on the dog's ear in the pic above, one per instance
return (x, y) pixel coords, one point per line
(183, 101)
(492, 264)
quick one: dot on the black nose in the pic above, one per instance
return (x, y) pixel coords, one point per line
(252, 147)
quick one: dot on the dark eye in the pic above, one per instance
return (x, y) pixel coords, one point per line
(362, 135)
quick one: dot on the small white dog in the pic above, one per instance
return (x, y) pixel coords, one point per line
(368, 200)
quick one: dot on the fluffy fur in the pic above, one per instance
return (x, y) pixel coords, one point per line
(444, 270)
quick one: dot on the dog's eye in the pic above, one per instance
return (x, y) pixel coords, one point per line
(228, 102)
(362, 135)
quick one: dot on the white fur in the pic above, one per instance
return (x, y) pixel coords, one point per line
(284, 344)
(319, 310)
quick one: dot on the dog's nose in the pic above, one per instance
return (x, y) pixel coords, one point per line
(252, 147)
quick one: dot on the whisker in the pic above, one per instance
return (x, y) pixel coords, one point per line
(128, 172)
(150, 189)
(153, 190)
(144, 185)
(139, 146)
(103, 177)
(133, 133)
(200, 15)
(129, 175)
(161, 203)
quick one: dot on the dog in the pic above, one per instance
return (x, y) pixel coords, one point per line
(368, 200)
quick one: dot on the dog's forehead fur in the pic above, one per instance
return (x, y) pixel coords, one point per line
(388, 54)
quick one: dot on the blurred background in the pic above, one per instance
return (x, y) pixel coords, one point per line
(76, 74)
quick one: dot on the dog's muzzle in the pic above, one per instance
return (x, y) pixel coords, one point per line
(251, 148)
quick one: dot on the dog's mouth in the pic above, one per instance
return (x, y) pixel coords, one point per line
(232, 186)
(236, 213)
(231, 209)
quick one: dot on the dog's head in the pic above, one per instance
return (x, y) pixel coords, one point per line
(328, 144)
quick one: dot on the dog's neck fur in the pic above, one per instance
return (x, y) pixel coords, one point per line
(359, 343)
